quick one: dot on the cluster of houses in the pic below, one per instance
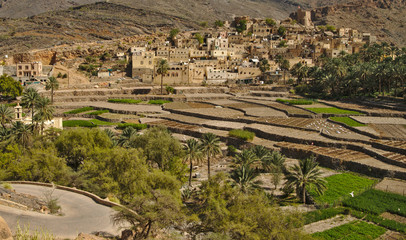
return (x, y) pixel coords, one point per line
(215, 56)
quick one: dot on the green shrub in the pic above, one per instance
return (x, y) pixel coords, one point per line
(7, 186)
(242, 134)
(138, 126)
(129, 101)
(99, 112)
(231, 149)
(79, 110)
(378, 202)
(348, 121)
(318, 215)
(158, 101)
(339, 187)
(355, 230)
(170, 89)
(296, 101)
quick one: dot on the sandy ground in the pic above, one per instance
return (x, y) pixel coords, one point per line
(392, 185)
(379, 120)
(327, 224)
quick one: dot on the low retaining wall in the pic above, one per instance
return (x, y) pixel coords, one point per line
(12, 204)
(334, 163)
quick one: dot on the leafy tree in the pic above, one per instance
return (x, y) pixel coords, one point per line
(270, 22)
(30, 99)
(173, 33)
(10, 87)
(218, 23)
(77, 144)
(282, 44)
(203, 24)
(162, 150)
(6, 114)
(210, 147)
(52, 84)
(330, 28)
(199, 38)
(192, 153)
(282, 31)
(162, 69)
(241, 26)
(306, 174)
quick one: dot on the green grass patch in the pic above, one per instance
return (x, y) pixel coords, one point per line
(137, 126)
(355, 230)
(333, 110)
(99, 112)
(386, 223)
(378, 202)
(86, 123)
(128, 101)
(348, 121)
(11, 104)
(158, 101)
(242, 134)
(339, 187)
(321, 214)
(79, 110)
(296, 101)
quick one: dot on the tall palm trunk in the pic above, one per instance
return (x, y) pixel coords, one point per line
(52, 95)
(190, 173)
(32, 114)
(304, 194)
(208, 165)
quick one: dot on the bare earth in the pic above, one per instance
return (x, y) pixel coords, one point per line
(391, 185)
(327, 224)
(379, 120)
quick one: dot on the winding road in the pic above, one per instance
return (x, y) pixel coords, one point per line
(81, 214)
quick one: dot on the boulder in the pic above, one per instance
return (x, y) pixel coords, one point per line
(127, 234)
(84, 236)
(5, 232)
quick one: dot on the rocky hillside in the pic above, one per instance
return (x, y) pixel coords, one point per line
(384, 18)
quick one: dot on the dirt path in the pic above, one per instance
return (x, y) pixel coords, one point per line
(327, 224)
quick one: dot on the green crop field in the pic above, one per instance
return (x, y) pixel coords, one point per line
(333, 110)
(339, 187)
(321, 214)
(378, 202)
(158, 101)
(296, 101)
(348, 121)
(99, 112)
(86, 123)
(128, 101)
(79, 110)
(357, 230)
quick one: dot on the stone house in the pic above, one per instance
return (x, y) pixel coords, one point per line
(177, 55)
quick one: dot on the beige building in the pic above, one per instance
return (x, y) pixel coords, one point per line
(177, 55)
(143, 63)
(29, 70)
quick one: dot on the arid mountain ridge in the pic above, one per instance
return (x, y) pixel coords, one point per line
(33, 24)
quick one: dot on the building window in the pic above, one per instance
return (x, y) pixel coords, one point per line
(26, 67)
(20, 67)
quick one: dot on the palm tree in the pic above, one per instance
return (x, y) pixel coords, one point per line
(29, 99)
(127, 137)
(264, 66)
(22, 133)
(273, 161)
(193, 153)
(6, 114)
(260, 151)
(211, 147)
(306, 174)
(4, 134)
(162, 69)
(244, 178)
(44, 111)
(52, 84)
(112, 136)
(245, 158)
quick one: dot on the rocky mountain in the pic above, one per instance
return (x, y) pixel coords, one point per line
(32, 24)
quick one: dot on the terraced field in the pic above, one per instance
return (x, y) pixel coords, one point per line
(291, 111)
(390, 131)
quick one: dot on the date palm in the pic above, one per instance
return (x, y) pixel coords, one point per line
(44, 111)
(244, 178)
(193, 154)
(210, 147)
(162, 69)
(306, 174)
(29, 100)
(52, 84)
(22, 133)
(127, 137)
(6, 114)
